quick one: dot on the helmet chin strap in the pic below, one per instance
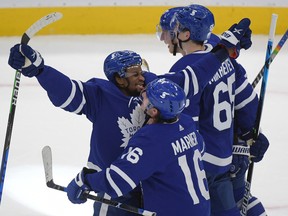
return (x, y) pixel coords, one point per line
(174, 48)
(182, 41)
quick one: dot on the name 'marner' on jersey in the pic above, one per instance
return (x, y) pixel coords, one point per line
(169, 168)
(215, 91)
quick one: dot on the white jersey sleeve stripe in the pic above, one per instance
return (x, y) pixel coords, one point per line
(246, 101)
(202, 151)
(240, 88)
(70, 98)
(90, 165)
(194, 80)
(83, 99)
(216, 160)
(112, 183)
(124, 176)
(186, 83)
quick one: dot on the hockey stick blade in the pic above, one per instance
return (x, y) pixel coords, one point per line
(47, 162)
(38, 25)
(271, 58)
(29, 33)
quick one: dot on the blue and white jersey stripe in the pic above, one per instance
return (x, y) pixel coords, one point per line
(123, 175)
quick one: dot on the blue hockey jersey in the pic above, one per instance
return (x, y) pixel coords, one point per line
(193, 74)
(169, 167)
(115, 117)
(212, 97)
(212, 41)
(101, 101)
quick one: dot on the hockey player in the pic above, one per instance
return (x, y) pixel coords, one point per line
(166, 33)
(169, 167)
(111, 106)
(202, 22)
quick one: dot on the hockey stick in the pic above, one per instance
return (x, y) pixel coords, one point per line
(259, 111)
(36, 27)
(145, 65)
(270, 59)
(47, 161)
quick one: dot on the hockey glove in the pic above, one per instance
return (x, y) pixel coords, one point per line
(259, 148)
(26, 60)
(78, 188)
(237, 37)
(240, 158)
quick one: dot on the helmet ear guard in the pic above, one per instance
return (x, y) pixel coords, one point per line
(117, 63)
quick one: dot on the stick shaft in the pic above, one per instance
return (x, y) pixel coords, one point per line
(47, 162)
(259, 112)
(30, 32)
(271, 58)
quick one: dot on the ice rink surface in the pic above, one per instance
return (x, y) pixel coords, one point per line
(38, 123)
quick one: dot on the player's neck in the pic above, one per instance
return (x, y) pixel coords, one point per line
(192, 47)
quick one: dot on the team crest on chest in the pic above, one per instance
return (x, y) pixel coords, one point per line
(130, 126)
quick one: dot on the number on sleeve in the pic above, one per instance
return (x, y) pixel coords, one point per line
(133, 155)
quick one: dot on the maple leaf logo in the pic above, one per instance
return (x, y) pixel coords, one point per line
(130, 126)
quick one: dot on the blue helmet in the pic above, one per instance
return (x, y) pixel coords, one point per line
(167, 17)
(118, 62)
(165, 20)
(167, 97)
(196, 19)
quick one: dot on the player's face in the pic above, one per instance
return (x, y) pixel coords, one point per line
(166, 37)
(147, 108)
(135, 80)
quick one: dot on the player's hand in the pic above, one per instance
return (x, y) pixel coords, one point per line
(238, 36)
(78, 188)
(26, 60)
(240, 158)
(259, 148)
